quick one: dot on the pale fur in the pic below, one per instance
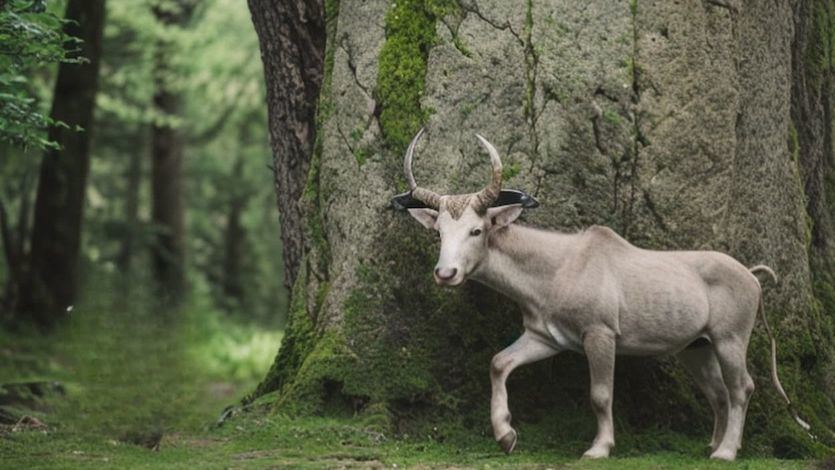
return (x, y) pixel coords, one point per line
(595, 293)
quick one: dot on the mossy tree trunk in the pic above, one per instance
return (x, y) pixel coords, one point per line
(689, 125)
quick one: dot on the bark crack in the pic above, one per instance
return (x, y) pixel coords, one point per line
(638, 139)
(723, 4)
(352, 66)
(531, 71)
(473, 8)
(595, 126)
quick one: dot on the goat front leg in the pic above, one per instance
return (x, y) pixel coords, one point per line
(528, 348)
(599, 346)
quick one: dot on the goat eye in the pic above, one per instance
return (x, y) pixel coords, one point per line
(475, 232)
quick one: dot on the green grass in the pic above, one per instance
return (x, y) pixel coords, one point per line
(260, 441)
(136, 375)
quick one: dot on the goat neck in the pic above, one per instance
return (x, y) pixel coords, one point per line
(516, 265)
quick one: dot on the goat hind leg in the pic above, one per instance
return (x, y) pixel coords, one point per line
(524, 350)
(599, 346)
(731, 353)
(702, 363)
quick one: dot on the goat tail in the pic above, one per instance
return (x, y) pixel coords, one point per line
(764, 268)
(774, 378)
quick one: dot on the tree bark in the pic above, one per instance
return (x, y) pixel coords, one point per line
(168, 252)
(52, 283)
(292, 39)
(670, 123)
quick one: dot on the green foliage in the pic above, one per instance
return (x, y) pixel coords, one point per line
(229, 350)
(31, 36)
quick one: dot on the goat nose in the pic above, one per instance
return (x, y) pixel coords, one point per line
(446, 273)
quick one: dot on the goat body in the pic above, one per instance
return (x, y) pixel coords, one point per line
(654, 302)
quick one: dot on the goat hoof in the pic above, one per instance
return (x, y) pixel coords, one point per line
(508, 441)
(596, 453)
(723, 454)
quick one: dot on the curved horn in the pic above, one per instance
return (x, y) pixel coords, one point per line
(426, 196)
(487, 196)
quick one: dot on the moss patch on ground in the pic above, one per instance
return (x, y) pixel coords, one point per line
(260, 441)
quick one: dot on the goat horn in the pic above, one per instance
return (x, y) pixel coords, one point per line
(487, 196)
(431, 199)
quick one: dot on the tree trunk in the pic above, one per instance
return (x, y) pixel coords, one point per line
(292, 38)
(52, 282)
(234, 238)
(133, 178)
(678, 125)
(167, 142)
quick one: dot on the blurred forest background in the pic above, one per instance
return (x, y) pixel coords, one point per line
(142, 273)
(178, 116)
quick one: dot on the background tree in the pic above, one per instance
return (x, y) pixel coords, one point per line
(292, 39)
(673, 124)
(51, 283)
(33, 36)
(167, 192)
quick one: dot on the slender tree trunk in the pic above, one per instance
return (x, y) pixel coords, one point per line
(292, 38)
(133, 178)
(15, 239)
(167, 144)
(52, 283)
(167, 208)
(234, 240)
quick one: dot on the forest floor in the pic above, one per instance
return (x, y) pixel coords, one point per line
(125, 386)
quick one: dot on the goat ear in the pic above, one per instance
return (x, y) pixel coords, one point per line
(503, 216)
(427, 217)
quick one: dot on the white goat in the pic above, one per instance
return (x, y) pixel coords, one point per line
(595, 293)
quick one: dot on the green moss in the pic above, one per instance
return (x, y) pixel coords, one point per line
(612, 117)
(401, 76)
(510, 170)
(462, 48)
(819, 44)
(299, 340)
(361, 155)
